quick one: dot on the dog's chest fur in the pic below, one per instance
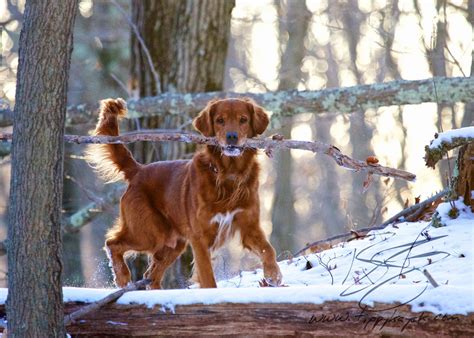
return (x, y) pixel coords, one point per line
(225, 230)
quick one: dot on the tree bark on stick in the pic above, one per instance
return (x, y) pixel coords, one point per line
(258, 143)
(35, 304)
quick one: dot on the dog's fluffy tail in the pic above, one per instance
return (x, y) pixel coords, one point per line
(113, 162)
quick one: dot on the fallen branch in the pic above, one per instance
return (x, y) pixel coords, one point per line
(72, 317)
(80, 218)
(267, 144)
(289, 103)
(357, 234)
(444, 142)
(430, 278)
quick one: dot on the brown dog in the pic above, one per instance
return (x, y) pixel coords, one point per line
(203, 202)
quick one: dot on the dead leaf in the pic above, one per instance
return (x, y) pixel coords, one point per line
(407, 203)
(430, 261)
(264, 284)
(372, 160)
(367, 182)
(417, 199)
(386, 181)
(308, 265)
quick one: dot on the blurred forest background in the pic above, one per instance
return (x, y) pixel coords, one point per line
(258, 46)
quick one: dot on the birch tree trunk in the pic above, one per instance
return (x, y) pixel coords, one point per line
(187, 44)
(35, 304)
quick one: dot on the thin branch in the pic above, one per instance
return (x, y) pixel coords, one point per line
(405, 212)
(80, 218)
(430, 278)
(71, 318)
(268, 144)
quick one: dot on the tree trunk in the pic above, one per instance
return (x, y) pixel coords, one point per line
(283, 210)
(463, 183)
(187, 43)
(34, 301)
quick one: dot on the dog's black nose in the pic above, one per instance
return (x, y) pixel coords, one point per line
(231, 137)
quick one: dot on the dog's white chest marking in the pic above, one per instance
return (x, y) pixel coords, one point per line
(224, 222)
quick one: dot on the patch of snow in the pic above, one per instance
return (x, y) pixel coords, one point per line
(116, 323)
(384, 267)
(447, 136)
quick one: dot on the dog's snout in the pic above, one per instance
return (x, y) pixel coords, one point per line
(232, 137)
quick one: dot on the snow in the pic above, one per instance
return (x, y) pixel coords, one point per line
(366, 270)
(447, 136)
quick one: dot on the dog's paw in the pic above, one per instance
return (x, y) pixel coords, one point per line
(273, 275)
(121, 281)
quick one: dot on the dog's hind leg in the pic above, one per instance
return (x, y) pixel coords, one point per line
(116, 246)
(160, 261)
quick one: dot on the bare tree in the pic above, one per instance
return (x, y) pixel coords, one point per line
(35, 304)
(295, 26)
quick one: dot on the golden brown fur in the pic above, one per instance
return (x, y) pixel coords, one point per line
(201, 202)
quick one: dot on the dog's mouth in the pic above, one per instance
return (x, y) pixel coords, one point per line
(231, 151)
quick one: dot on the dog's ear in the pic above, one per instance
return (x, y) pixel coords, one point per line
(259, 117)
(203, 122)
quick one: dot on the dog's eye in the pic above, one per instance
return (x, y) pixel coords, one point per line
(220, 120)
(243, 119)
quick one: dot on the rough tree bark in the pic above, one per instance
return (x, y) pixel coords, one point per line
(283, 210)
(34, 301)
(186, 43)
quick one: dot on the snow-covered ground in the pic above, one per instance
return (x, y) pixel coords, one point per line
(386, 266)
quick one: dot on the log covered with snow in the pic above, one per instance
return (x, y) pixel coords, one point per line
(265, 319)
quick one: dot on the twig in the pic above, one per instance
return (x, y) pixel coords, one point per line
(85, 215)
(71, 318)
(267, 144)
(430, 278)
(382, 226)
(415, 207)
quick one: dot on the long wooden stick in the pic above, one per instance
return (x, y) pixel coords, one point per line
(72, 317)
(269, 144)
(404, 212)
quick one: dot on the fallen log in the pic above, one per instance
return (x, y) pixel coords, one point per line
(93, 307)
(292, 102)
(264, 320)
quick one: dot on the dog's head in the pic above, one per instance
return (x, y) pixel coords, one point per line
(231, 121)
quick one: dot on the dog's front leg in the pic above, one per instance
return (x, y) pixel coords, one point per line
(202, 260)
(254, 239)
